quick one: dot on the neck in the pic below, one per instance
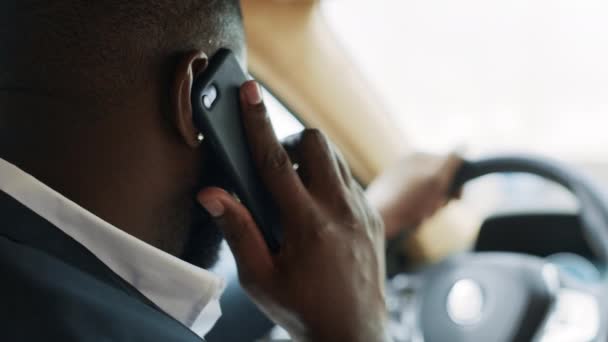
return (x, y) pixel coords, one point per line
(88, 157)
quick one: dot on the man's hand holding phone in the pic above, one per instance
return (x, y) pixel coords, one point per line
(327, 281)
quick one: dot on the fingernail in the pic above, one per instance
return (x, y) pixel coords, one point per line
(213, 207)
(253, 93)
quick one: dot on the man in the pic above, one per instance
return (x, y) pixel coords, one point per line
(103, 179)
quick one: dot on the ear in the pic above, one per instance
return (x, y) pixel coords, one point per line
(188, 67)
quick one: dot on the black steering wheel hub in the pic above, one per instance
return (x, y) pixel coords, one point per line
(465, 294)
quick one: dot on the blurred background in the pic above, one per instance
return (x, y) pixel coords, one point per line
(486, 77)
(489, 77)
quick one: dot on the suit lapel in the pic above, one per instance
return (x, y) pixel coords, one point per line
(22, 225)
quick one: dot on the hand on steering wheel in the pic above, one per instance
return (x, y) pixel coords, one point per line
(412, 190)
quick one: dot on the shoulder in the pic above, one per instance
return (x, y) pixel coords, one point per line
(47, 298)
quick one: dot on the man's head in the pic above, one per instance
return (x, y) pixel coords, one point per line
(95, 102)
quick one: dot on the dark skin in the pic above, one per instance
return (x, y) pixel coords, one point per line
(103, 116)
(136, 164)
(326, 284)
(126, 166)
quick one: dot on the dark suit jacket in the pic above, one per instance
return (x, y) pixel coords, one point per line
(53, 289)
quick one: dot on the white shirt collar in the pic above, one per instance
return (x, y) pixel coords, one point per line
(187, 293)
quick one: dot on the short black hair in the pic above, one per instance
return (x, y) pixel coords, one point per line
(49, 43)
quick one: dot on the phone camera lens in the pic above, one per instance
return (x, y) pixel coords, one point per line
(207, 102)
(209, 96)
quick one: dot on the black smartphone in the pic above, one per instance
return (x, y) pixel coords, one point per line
(217, 114)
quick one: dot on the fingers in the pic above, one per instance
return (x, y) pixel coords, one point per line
(291, 144)
(242, 234)
(343, 165)
(271, 159)
(318, 164)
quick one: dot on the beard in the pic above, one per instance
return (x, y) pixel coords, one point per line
(187, 231)
(204, 239)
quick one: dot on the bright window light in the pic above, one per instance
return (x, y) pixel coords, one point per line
(283, 121)
(494, 76)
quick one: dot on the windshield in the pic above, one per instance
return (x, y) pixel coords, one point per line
(492, 76)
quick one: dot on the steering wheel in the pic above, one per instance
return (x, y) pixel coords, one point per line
(479, 297)
(499, 296)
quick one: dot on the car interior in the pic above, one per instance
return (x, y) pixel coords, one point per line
(518, 89)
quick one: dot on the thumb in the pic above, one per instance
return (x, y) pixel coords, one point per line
(241, 232)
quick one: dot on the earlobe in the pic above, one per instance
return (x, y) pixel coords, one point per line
(188, 67)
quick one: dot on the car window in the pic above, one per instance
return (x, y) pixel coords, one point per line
(491, 75)
(285, 123)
